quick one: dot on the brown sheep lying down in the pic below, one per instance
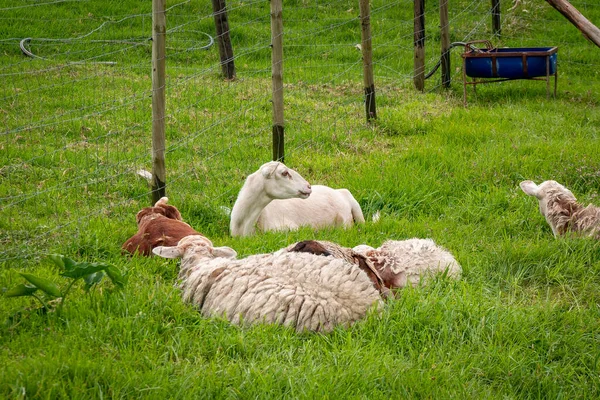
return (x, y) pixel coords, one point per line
(561, 209)
(160, 225)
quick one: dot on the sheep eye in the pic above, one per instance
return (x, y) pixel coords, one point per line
(285, 174)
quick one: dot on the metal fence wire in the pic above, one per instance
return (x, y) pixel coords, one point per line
(76, 93)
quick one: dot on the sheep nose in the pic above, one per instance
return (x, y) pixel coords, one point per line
(308, 185)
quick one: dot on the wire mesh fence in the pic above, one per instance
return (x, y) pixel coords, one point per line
(75, 99)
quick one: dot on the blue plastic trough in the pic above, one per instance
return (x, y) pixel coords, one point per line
(537, 63)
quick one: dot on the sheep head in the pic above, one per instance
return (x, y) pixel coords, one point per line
(281, 182)
(160, 207)
(557, 203)
(158, 225)
(196, 247)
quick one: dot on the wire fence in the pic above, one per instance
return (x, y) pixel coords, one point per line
(75, 100)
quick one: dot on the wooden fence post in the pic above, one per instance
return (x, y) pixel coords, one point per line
(419, 41)
(589, 30)
(496, 28)
(445, 41)
(367, 55)
(223, 38)
(277, 78)
(159, 30)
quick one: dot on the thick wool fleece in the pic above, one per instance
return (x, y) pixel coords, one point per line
(562, 211)
(303, 291)
(397, 263)
(408, 262)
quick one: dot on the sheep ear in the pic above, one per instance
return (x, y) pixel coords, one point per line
(161, 201)
(224, 252)
(142, 213)
(268, 169)
(167, 251)
(171, 212)
(530, 188)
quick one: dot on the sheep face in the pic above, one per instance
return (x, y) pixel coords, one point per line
(555, 202)
(281, 182)
(194, 247)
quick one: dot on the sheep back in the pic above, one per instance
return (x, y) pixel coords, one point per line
(587, 221)
(326, 248)
(298, 290)
(325, 207)
(406, 262)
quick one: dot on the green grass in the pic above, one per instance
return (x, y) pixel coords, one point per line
(523, 322)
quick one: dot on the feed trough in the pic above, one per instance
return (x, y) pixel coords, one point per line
(490, 64)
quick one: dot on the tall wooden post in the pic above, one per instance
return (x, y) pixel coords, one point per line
(445, 39)
(367, 55)
(589, 30)
(496, 28)
(159, 30)
(277, 78)
(419, 41)
(223, 38)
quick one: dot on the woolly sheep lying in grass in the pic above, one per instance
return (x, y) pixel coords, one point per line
(277, 198)
(561, 209)
(396, 264)
(303, 291)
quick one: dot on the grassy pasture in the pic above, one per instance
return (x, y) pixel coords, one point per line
(524, 322)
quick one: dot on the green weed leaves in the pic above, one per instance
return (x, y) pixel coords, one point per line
(46, 286)
(91, 274)
(21, 290)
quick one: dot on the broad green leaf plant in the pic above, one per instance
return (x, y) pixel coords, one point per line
(90, 273)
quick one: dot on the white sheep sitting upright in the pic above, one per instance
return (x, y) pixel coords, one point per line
(561, 209)
(277, 198)
(302, 291)
(396, 264)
